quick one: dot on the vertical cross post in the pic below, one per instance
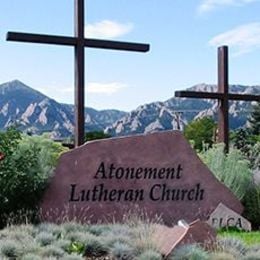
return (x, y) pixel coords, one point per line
(79, 73)
(223, 122)
(223, 96)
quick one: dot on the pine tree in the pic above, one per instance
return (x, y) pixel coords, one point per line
(254, 119)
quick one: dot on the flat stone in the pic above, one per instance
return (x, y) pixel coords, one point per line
(159, 173)
(167, 239)
(223, 217)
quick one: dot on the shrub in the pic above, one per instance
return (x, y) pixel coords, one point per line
(200, 131)
(28, 163)
(189, 252)
(231, 169)
(251, 204)
(254, 156)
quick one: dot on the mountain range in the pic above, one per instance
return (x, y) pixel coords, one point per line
(36, 113)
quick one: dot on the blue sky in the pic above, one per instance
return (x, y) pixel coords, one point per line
(183, 34)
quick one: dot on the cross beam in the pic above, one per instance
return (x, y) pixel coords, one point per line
(72, 41)
(79, 42)
(222, 96)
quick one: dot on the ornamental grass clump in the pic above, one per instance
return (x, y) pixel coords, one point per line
(52, 251)
(78, 236)
(95, 247)
(110, 240)
(10, 249)
(251, 256)
(73, 257)
(98, 229)
(189, 252)
(232, 246)
(231, 169)
(45, 239)
(122, 251)
(63, 244)
(31, 256)
(72, 226)
(150, 255)
(143, 238)
(221, 256)
(54, 229)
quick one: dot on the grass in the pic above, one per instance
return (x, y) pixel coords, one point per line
(249, 238)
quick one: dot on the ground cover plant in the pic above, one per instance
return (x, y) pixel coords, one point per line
(131, 240)
(74, 241)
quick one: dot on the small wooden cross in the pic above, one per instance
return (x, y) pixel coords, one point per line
(223, 96)
(79, 42)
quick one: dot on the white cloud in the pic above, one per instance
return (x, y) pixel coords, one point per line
(105, 88)
(209, 5)
(242, 39)
(107, 29)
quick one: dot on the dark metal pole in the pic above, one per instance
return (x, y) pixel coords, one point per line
(223, 123)
(79, 73)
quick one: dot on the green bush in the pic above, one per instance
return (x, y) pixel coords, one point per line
(28, 163)
(200, 132)
(251, 203)
(254, 156)
(231, 169)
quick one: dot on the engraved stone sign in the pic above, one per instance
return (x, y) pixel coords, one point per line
(222, 217)
(158, 173)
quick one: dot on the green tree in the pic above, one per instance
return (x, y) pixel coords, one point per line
(255, 119)
(200, 132)
(27, 163)
(95, 135)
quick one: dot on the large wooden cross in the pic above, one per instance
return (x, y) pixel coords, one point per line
(223, 96)
(79, 42)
